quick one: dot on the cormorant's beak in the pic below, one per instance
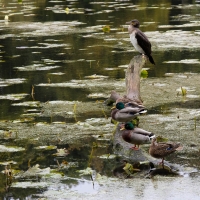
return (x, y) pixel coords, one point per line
(128, 22)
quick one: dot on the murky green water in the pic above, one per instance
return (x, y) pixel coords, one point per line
(50, 52)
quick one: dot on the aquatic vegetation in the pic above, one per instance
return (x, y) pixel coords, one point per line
(106, 29)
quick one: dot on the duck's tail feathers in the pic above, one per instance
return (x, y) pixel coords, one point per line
(151, 60)
(179, 148)
(142, 111)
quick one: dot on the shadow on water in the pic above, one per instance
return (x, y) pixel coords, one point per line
(167, 108)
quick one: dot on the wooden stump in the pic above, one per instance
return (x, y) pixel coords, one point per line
(122, 148)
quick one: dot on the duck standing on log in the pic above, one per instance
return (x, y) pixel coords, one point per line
(136, 136)
(139, 40)
(121, 113)
(163, 149)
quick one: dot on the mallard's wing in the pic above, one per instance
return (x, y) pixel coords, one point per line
(133, 111)
(164, 149)
(142, 132)
(130, 110)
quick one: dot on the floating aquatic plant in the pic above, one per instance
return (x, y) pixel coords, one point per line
(106, 29)
(144, 73)
(61, 152)
(67, 10)
(183, 91)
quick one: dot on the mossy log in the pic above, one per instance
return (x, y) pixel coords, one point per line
(122, 148)
(132, 79)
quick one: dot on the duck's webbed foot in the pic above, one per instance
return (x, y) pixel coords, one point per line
(135, 148)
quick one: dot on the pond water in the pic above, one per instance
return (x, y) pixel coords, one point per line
(59, 60)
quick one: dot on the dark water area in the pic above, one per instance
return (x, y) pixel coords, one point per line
(62, 42)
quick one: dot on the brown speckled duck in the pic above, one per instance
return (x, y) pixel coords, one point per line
(136, 136)
(163, 149)
(121, 113)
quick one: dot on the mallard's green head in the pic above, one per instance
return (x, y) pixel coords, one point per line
(120, 105)
(129, 126)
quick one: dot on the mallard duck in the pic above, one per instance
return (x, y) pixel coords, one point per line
(129, 102)
(121, 113)
(139, 40)
(135, 135)
(162, 149)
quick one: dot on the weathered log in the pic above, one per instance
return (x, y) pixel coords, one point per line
(122, 148)
(132, 78)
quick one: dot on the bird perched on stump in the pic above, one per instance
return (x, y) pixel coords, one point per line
(139, 40)
(135, 135)
(163, 149)
(121, 113)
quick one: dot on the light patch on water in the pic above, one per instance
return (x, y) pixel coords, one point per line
(95, 76)
(8, 82)
(111, 69)
(160, 84)
(58, 73)
(178, 39)
(30, 184)
(185, 61)
(36, 67)
(4, 148)
(28, 104)
(108, 156)
(193, 96)
(8, 163)
(71, 85)
(98, 95)
(187, 88)
(46, 147)
(13, 97)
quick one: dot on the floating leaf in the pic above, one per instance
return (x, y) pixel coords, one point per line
(67, 10)
(144, 73)
(87, 171)
(61, 152)
(106, 29)
(46, 147)
(128, 168)
(35, 170)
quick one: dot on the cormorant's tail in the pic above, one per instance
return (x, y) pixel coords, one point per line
(151, 60)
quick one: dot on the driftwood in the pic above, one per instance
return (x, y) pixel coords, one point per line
(122, 148)
(132, 79)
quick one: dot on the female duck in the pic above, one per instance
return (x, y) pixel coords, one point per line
(136, 136)
(163, 149)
